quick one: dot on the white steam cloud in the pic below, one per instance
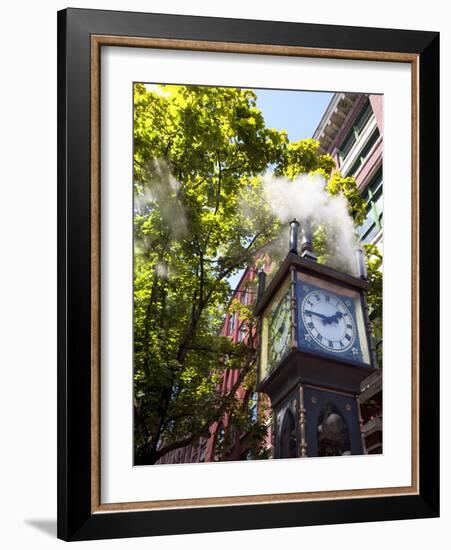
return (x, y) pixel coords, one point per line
(160, 191)
(305, 198)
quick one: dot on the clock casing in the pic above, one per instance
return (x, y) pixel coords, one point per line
(314, 341)
(317, 317)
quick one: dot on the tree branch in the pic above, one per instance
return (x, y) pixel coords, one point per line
(214, 417)
(218, 191)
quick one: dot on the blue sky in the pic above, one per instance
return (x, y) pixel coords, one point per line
(296, 112)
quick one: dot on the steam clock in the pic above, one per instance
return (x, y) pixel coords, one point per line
(314, 353)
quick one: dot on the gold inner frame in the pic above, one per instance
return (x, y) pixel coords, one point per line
(97, 41)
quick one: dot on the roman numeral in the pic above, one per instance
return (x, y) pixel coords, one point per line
(320, 338)
(349, 326)
(310, 325)
(348, 337)
(341, 344)
(327, 298)
(317, 298)
(331, 344)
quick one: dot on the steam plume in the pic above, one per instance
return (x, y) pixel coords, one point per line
(305, 198)
(160, 192)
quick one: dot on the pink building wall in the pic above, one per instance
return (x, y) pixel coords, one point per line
(377, 104)
(231, 376)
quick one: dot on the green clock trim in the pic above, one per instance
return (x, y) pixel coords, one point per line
(279, 331)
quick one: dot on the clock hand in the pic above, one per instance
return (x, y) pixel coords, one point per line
(336, 316)
(325, 318)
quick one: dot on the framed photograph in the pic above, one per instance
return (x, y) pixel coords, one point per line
(248, 274)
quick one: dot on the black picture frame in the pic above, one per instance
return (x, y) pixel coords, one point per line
(76, 518)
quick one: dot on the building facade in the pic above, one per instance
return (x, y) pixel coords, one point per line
(236, 328)
(351, 130)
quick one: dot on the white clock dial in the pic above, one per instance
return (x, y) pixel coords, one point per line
(328, 321)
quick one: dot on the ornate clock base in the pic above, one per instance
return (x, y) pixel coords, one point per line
(314, 422)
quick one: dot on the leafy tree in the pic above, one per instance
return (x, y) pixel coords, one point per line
(200, 217)
(374, 297)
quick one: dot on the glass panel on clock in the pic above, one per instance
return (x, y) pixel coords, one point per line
(275, 331)
(331, 319)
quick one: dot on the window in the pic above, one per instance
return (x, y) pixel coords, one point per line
(347, 145)
(219, 443)
(353, 134)
(363, 155)
(242, 332)
(375, 209)
(232, 320)
(363, 118)
(244, 296)
(253, 406)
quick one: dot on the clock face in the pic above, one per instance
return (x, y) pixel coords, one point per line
(328, 321)
(279, 331)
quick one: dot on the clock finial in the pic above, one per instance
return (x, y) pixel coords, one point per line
(307, 250)
(294, 232)
(361, 267)
(261, 285)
